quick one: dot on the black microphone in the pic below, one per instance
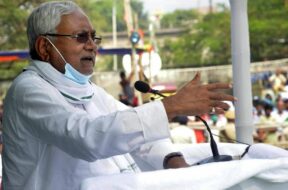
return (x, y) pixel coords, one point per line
(145, 88)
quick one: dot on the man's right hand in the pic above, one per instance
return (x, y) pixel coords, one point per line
(197, 99)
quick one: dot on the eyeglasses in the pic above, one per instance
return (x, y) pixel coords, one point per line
(81, 38)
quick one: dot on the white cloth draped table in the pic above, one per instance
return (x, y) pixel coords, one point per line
(264, 167)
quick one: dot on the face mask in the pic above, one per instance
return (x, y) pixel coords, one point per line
(70, 72)
(75, 75)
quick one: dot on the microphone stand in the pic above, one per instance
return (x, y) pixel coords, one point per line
(216, 157)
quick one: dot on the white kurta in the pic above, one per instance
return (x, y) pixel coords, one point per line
(50, 143)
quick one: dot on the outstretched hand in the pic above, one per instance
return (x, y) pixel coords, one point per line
(196, 99)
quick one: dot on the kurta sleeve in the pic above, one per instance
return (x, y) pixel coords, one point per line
(41, 113)
(150, 156)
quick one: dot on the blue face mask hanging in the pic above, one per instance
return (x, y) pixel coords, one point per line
(75, 75)
(72, 73)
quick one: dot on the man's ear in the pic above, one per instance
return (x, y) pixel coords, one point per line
(43, 47)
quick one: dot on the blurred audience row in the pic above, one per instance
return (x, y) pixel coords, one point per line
(270, 118)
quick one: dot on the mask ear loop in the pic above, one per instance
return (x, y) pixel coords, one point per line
(56, 49)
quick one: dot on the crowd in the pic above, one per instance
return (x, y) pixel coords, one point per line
(270, 117)
(270, 114)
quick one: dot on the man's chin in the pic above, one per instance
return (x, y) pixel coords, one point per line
(90, 72)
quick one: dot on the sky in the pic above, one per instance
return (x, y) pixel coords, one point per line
(151, 6)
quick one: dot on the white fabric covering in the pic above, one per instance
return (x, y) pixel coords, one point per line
(264, 167)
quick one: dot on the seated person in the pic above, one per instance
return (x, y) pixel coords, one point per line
(266, 132)
(181, 133)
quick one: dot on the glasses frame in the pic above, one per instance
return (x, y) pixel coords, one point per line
(96, 39)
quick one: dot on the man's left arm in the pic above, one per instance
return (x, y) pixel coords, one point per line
(157, 155)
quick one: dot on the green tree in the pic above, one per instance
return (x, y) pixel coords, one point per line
(100, 13)
(268, 29)
(13, 16)
(137, 7)
(208, 41)
(179, 18)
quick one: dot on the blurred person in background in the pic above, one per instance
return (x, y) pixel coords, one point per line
(181, 133)
(258, 109)
(279, 113)
(267, 118)
(278, 81)
(267, 128)
(285, 104)
(127, 96)
(229, 132)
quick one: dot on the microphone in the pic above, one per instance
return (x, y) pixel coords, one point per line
(145, 88)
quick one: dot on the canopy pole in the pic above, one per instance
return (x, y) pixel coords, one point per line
(241, 71)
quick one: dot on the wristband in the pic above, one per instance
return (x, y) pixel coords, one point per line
(169, 156)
